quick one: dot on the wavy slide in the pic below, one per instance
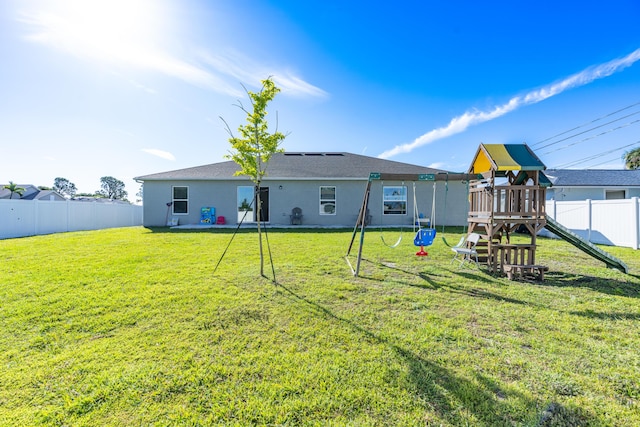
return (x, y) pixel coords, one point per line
(585, 246)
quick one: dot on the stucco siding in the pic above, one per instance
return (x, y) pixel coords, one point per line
(561, 194)
(284, 195)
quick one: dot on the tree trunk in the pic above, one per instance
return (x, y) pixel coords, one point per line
(259, 219)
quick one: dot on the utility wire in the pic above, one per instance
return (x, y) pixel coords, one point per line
(592, 137)
(593, 157)
(585, 124)
(589, 130)
(603, 163)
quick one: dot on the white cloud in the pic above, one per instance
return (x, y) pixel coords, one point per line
(244, 69)
(461, 123)
(126, 33)
(159, 153)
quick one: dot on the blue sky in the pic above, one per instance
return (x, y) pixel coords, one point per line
(91, 88)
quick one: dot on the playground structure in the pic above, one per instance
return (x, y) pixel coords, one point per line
(507, 193)
(510, 196)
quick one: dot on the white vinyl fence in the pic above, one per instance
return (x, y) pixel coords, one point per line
(20, 218)
(606, 222)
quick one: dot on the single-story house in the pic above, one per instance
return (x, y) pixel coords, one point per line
(31, 192)
(328, 188)
(593, 184)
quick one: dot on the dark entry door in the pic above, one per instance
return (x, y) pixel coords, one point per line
(263, 198)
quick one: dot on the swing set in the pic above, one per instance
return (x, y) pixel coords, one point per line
(424, 236)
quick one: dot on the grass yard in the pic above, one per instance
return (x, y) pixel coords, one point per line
(130, 327)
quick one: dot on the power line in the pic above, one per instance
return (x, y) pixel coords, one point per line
(593, 136)
(593, 157)
(585, 124)
(605, 162)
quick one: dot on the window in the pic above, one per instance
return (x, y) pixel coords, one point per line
(394, 200)
(327, 200)
(245, 202)
(180, 200)
(614, 194)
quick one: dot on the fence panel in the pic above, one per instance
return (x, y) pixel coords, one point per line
(606, 222)
(16, 219)
(19, 218)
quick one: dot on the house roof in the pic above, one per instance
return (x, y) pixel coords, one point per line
(31, 192)
(505, 157)
(298, 165)
(594, 177)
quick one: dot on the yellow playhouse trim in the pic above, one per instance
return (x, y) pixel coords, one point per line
(505, 157)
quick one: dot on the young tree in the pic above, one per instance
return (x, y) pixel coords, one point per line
(112, 188)
(13, 188)
(65, 187)
(632, 159)
(140, 194)
(253, 148)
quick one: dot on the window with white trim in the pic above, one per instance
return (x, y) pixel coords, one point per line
(394, 200)
(327, 200)
(180, 200)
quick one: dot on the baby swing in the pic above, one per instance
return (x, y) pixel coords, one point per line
(424, 236)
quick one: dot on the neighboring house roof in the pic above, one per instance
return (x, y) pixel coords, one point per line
(31, 192)
(293, 165)
(594, 177)
(505, 157)
(44, 195)
(98, 200)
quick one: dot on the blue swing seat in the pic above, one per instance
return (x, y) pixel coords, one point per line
(424, 237)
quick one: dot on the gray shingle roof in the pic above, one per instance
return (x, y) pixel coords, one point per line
(292, 165)
(594, 177)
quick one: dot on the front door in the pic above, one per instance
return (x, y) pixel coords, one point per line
(263, 198)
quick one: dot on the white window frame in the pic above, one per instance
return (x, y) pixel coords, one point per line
(325, 203)
(174, 200)
(244, 190)
(388, 198)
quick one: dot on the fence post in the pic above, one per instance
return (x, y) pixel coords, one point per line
(589, 218)
(36, 218)
(68, 201)
(636, 222)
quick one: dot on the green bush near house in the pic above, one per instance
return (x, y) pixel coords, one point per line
(130, 327)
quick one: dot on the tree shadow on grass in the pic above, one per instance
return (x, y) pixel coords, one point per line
(614, 315)
(434, 284)
(453, 398)
(431, 282)
(607, 286)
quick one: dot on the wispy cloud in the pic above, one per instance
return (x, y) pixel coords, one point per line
(97, 33)
(159, 153)
(461, 123)
(241, 68)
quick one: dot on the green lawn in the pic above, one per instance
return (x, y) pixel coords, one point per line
(131, 327)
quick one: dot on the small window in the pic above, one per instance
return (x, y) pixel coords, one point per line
(327, 200)
(394, 200)
(180, 200)
(614, 194)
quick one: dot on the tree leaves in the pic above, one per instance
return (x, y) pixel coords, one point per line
(632, 159)
(255, 145)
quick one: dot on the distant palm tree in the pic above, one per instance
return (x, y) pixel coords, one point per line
(13, 188)
(632, 159)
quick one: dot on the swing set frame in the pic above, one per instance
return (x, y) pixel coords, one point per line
(378, 176)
